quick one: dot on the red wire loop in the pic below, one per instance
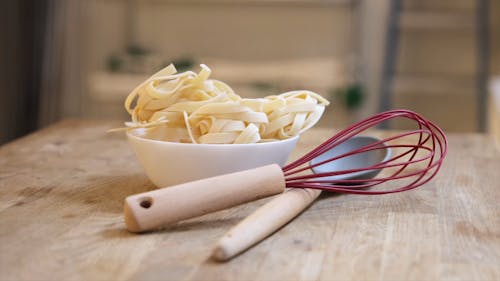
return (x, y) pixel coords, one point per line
(416, 162)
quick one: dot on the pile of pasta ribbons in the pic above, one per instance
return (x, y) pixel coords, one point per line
(189, 107)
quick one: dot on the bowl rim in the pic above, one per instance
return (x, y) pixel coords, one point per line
(130, 134)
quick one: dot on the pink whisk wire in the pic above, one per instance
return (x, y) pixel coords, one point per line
(432, 143)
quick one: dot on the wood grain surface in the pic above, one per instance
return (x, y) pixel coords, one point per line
(61, 203)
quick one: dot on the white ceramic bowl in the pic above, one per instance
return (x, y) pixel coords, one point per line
(169, 163)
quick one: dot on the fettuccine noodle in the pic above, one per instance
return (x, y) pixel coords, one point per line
(189, 107)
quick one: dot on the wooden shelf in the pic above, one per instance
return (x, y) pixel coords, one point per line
(319, 74)
(249, 2)
(112, 87)
(435, 21)
(450, 101)
(439, 85)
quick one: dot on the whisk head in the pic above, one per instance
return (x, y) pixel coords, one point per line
(416, 157)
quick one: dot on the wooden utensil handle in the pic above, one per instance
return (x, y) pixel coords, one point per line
(161, 207)
(263, 222)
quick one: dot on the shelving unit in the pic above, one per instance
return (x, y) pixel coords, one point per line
(437, 93)
(251, 79)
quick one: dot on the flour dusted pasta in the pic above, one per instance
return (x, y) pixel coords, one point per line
(190, 107)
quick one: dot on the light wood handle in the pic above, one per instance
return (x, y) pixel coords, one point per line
(161, 207)
(263, 222)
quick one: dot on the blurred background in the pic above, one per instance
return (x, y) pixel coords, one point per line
(80, 58)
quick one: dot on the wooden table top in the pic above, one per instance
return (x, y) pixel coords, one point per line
(62, 190)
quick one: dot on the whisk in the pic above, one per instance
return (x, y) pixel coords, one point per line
(419, 155)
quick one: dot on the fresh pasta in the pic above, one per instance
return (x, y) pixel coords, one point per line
(191, 108)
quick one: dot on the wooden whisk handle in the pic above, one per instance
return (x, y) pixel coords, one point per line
(264, 221)
(161, 207)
